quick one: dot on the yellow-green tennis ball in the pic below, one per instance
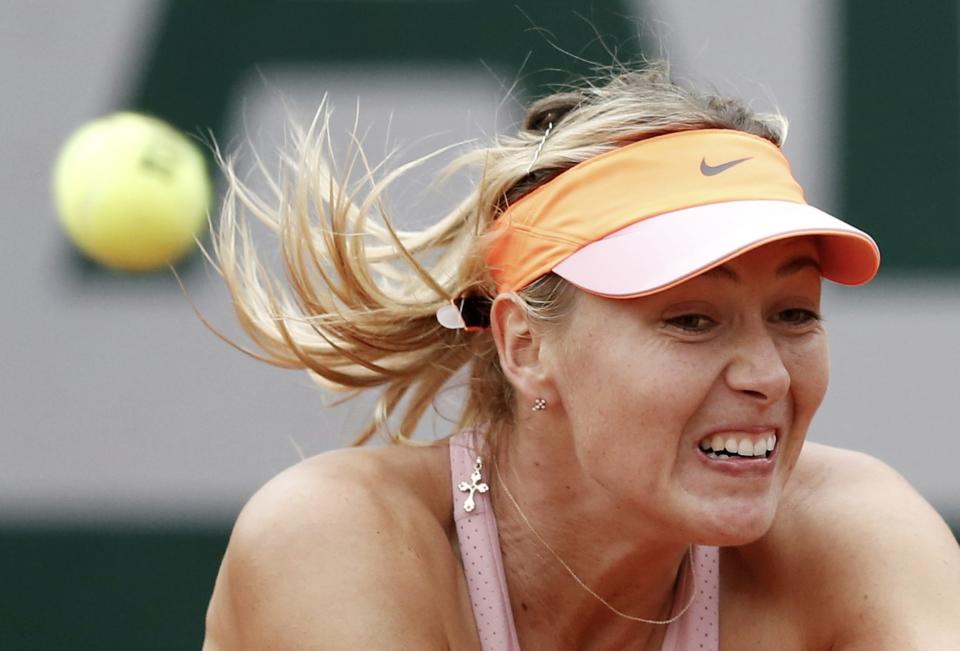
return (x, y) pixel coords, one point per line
(131, 191)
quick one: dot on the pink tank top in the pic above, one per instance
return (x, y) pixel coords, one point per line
(697, 630)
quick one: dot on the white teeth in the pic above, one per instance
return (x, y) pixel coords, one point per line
(724, 443)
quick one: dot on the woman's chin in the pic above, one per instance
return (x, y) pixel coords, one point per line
(736, 524)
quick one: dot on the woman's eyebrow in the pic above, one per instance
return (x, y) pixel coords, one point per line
(723, 271)
(796, 264)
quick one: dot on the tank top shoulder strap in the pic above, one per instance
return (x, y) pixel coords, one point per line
(480, 549)
(699, 628)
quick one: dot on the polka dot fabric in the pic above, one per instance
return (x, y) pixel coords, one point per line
(697, 630)
(480, 553)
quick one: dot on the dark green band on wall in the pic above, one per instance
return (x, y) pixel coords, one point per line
(901, 129)
(107, 586)
(203, 50)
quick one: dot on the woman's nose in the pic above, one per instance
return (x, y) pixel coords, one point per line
(757, 368)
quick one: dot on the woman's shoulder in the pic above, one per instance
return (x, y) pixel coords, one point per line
(350, 545)
(832, 487)
(402, 476)
(396, 490)
(823, 469)
(395, 486)
(872, 563)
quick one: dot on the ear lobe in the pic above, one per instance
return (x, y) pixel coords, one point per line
(518, 345)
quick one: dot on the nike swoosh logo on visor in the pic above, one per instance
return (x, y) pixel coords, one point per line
(713, 170)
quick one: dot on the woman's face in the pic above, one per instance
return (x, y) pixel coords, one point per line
(735, 354)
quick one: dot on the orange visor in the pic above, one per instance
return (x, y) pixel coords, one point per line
(652, 214)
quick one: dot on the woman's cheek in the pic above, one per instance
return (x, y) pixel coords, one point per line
(810, 372)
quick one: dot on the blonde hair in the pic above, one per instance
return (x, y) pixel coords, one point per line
(359, 307)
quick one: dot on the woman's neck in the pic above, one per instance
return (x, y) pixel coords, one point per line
(629, 563)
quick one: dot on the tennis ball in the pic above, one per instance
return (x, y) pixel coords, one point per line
(131, 191)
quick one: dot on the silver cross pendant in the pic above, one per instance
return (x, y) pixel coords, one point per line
(474, 486)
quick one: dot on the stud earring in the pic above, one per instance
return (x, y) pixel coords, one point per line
(539, 404)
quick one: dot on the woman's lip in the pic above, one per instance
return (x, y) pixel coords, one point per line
(742, 429)
(743, 468)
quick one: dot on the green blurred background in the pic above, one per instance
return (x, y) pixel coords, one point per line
(132, 436)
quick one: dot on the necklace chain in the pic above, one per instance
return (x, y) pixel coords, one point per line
(580, 581)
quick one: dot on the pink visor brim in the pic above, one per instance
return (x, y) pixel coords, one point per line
(662, 251)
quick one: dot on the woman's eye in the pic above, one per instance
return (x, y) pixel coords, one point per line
(798, 316)
(692, 322)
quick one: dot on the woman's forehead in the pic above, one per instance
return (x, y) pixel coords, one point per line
(780, 259)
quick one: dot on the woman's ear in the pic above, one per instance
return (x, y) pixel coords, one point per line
(520, 347)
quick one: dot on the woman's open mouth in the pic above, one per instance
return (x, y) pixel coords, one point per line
(740, 453)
